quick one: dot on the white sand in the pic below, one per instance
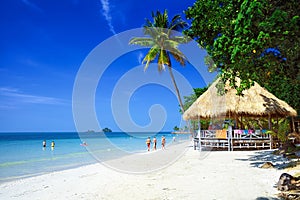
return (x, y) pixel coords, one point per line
(214, 175)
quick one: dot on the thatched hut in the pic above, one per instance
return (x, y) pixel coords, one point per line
(255, 102)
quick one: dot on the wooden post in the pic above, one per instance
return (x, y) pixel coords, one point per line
(199, 132)
(229, 131)
(293, 125)
(270, 127)
(236, 121)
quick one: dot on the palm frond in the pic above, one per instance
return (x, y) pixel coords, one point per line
(177, 23)
(151, 55)
(153, 32)
(142, 41)
(163, 59)
(172, 47)
(147, 28)
(163, 40)
(178, 56)
(160, 19)
(170, 43)
(182, 39)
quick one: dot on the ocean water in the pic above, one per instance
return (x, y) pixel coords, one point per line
(23, 155)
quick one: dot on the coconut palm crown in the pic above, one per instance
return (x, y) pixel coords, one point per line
(163, 40)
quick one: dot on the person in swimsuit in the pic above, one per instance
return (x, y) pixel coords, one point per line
(154, 143)
(163, 142)
(52, 145)
(148, 142)
(44, 144)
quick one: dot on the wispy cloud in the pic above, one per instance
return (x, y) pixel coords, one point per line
(32, 5)
(16, 97)
(106, 13)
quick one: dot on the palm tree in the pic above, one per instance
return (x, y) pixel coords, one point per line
(163, 42)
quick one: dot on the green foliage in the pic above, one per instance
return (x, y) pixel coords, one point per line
(281, 130)
(189, 100)
(106, 130)
(176, 128)
(199, 91)
(238, 36)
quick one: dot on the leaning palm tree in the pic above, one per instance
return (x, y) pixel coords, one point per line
(163, 42)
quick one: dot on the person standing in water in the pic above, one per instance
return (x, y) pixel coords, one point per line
(52, 145)
(148, 142)
(154, 143)
(44, 144)
(163, 142)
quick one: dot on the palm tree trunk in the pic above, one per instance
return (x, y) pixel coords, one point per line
(179, 98)
(176, 89)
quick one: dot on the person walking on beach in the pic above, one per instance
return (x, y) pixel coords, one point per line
(148, 142)
(163, 142)
(154, 143)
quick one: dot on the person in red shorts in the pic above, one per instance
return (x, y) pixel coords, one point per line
(148, 142)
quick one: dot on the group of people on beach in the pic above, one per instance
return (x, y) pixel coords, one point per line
(45, 145)
(148, 142)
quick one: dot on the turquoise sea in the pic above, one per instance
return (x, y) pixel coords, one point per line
(23, 155)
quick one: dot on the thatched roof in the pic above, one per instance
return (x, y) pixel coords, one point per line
(256, 102)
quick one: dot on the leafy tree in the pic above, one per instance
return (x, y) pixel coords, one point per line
(189, 100)
(199, 91)
(176, 128)
(254, 40)
(163, 43)
(106, 130)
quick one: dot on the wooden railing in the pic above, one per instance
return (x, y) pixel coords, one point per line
(236, 139)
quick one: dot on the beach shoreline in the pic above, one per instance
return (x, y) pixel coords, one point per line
(217, 175)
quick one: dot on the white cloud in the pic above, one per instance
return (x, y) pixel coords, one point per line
(32, 5)
(107, 15)
(17, 97)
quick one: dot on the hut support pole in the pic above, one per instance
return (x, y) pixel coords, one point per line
(270, 127)
(229, 130)
(242, 125)
(293, 125)
(199, 133)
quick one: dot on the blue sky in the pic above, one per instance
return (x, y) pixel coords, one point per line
(43, 46)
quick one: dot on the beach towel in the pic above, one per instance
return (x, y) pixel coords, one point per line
(221, 134)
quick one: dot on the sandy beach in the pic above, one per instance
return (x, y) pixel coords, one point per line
(195, 175)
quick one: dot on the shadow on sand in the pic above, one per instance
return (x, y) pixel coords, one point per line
(261, 157)
(278, 161)
(267, 198)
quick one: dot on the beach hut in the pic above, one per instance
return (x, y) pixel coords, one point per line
(255, 102)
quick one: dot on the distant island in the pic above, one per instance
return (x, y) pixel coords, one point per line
(106, 130)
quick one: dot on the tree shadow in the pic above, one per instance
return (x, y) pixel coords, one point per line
(261, 157)
(274, 107)
(267, 198)
(258, 158)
